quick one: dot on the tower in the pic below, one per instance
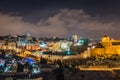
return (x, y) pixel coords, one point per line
(75, 38)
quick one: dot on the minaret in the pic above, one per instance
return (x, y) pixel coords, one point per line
(28, 37)
(75, 38)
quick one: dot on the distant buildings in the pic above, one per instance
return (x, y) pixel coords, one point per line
(27, 42)
(7, 45)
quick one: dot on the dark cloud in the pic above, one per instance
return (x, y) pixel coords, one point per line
(65, 23)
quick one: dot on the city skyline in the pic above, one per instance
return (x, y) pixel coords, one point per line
(62, 18)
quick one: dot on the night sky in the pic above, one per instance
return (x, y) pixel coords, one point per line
(61, 18)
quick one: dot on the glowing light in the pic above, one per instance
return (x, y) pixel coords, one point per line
(68, 52)
(80, 42)
(7, 69)
(65, 46)
(23, 43)
(31, 61)
(93, 47)
(35, 71)
(42, 44)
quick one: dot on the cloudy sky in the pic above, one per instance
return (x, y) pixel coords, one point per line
(62, 18)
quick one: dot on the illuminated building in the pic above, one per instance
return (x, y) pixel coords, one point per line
(28, 47)
(65, 45)
(106, 48)
(79, 41)
(12, 45)
(35, 47)
(56, 46)
(7, 45)
(2, 44)
(42, 44)
(28, 54)
(28, 37)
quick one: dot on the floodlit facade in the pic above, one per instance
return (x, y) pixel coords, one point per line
(6, 45)
(106, 48)
(28, 54)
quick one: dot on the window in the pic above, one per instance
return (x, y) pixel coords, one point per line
(115, 43)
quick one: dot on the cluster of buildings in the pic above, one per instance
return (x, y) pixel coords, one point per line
(104, 48)
(27, 42)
